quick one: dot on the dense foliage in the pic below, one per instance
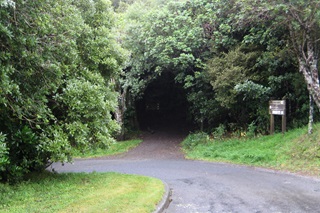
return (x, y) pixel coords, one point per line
(231, 57)
(57, 59)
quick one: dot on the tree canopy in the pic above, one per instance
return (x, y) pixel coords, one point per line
(230, 56)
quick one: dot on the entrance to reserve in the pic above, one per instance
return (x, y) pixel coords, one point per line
(164, 105)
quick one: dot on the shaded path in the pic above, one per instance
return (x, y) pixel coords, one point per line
(209, 187)
(161, 144)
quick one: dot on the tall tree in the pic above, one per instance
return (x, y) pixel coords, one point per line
(302, 21)
(57, 59)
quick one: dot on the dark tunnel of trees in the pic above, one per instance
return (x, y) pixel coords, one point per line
(164, 105)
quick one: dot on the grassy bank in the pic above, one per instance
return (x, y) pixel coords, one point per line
(95, 192)
(295, 151)
(81, 192)
(116, 148)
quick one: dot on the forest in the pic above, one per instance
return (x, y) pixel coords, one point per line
(79, 74)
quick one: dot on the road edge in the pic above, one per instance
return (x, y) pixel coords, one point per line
(166, 199)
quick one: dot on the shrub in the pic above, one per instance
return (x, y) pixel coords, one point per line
(251, 131)
(195, 139)
(219, 132)
(24, 153)
(4, 159)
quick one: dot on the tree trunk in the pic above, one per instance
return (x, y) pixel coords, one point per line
(119, 114)
(311, 111)
(312, 62)
(308, 66)
(311, 77)
(310, 72)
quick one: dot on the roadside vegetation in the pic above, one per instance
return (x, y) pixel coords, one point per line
(113, 149)
(294, 151)
(80, 192)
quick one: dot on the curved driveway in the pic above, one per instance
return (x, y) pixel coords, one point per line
(208, 187)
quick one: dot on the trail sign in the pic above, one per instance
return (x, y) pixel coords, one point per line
(277, 107)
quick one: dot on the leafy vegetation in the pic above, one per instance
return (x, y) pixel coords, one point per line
(94, 192)
(228, 61)
(57, 61)
(295, 150)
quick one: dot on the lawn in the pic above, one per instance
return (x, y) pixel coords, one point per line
(84, 192)
(94, 192)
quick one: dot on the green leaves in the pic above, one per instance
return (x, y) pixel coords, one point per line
(57, 59)
(227, 71)
(7, 3)
(163, 39)
(4, 153)
(88, 110)
(253, 91)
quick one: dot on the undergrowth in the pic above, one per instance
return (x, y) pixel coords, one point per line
(294, 151)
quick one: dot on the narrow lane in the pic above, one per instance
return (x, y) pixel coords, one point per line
(209, 187)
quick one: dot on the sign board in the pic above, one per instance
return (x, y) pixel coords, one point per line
(277, 107)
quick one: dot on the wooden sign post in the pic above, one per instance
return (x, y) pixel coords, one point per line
(277, 107)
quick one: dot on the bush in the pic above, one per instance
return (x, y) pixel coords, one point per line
(58, 69)
(25, 155)
(4, 159)
(251, 131)
(195, 139)
(88, 103)
(219, 132)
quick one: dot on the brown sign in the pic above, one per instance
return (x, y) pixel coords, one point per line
(277, 107)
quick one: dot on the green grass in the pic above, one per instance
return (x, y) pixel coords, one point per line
(294, 151)
(81, 192)
(116, 148)
(94, 192)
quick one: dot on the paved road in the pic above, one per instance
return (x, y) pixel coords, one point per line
(209, 187)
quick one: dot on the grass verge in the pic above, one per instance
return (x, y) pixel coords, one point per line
(294, 151)
(80, 192)
(116, 148)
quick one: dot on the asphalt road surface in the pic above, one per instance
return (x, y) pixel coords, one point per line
(208, 187)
